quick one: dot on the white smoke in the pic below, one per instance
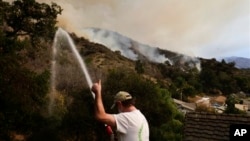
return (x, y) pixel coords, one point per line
(132, 49)
(127, 47)
(192, 62)
(111, 40)
(204, 28)
(152, 54)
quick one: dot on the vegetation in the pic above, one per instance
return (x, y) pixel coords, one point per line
(164, 119)
(214, 78)
(29, 18)
(22, 94)
(28, 27)
(231, 101)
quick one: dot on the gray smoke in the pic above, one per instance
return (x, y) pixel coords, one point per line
(135, 50)
(204, 28)
(128, 47)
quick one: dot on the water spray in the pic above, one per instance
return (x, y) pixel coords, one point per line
(79, 58)
(61, 32)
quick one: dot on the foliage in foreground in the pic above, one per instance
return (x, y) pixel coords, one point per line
(156, 103)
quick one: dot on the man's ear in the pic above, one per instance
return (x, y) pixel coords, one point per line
(118, 103)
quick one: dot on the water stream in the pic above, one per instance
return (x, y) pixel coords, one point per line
(62, 33)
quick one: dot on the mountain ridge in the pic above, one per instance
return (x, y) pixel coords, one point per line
(139, 51)
(240, 62)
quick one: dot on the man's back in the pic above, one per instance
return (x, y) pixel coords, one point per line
(132, 126)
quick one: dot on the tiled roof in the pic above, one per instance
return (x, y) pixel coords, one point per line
(210, 127)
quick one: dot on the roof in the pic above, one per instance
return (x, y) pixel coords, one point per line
(211, 127)
(190, 106)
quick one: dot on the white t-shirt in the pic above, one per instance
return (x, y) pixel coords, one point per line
(132, 126)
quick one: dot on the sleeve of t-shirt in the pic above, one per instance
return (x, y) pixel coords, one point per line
(121, 123)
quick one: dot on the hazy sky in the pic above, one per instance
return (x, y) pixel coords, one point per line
(202, 28)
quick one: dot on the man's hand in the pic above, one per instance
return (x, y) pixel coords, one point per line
(100, 113)
(97, 87)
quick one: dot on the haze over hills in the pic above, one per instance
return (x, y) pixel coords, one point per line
(240, 62)
(137, 51)
(134, 50)
(196, 28)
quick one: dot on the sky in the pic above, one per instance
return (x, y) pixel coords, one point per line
(200, 28)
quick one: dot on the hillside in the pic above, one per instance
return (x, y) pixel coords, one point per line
(134, 50)
(101, 60)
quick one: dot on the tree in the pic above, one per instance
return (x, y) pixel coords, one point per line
(139, 67)
(244, 83)
(29, 18)
(231, 101)
(23, 92)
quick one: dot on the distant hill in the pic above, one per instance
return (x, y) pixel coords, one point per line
(134, 50)
(240, 62)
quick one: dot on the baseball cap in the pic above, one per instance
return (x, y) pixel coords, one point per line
(121, 96)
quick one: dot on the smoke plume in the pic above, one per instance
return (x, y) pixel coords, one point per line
(203, 28)
(194, 27)
(128, 47)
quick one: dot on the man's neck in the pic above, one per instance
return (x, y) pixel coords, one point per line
(130, 109)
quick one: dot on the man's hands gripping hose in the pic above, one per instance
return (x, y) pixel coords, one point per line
(96, 89)
(109, 130)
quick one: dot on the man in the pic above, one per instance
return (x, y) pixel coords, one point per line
(130, 123)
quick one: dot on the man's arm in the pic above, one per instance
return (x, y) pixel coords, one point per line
(100, 113)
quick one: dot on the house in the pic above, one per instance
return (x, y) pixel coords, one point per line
(220, 109)
(200, 126)
(204, 101)
(184, 106)
(242, 107)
